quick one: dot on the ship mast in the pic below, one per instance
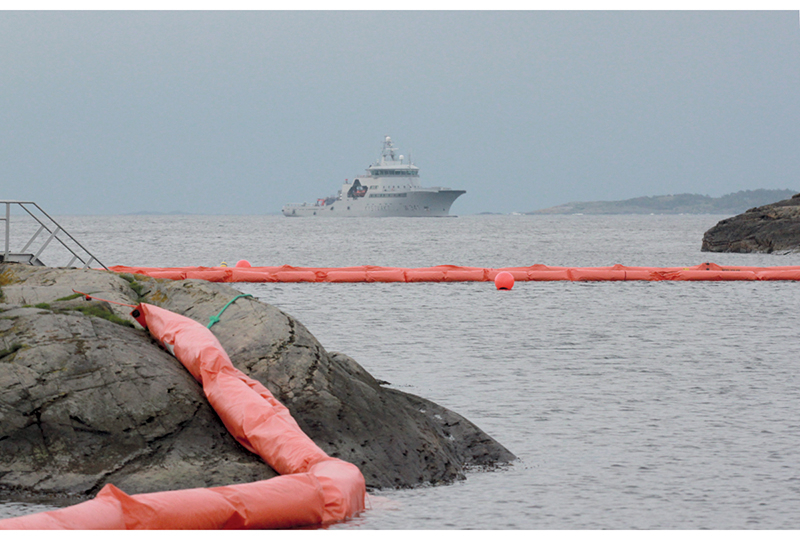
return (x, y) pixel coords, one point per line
(388, 149)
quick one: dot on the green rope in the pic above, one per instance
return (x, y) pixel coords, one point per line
(215, 318)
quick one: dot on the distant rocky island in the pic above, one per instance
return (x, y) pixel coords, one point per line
(153, 213)
(685, 203)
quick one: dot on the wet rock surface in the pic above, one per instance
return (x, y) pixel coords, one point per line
(87, 397)
(766, 229)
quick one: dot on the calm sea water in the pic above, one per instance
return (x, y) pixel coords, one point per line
(631, 405)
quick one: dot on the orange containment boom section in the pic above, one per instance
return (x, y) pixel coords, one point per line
(448, 273)
(314, 488)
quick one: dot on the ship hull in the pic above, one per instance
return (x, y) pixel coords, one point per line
(416, 203)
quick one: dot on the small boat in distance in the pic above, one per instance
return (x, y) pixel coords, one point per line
(390, 188)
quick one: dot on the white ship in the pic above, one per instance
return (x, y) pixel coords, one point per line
(390, 188)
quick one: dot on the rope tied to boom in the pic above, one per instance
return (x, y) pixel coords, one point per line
(214, 319)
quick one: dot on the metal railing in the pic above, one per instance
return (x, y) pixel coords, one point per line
(52, 230)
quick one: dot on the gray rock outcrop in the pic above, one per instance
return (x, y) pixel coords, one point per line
(765, 229)
(87, 397)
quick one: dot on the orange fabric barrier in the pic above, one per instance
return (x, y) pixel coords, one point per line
(281, 502)
(434, 273)
(769, 274)
(448, 273)
(597, 274)
(385, 275)
(334, 275)
(314, 489)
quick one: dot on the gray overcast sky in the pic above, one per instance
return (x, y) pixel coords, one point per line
(242, 112)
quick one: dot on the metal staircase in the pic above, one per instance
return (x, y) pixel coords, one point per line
(38, 242)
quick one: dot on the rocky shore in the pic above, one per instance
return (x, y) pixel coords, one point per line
(765, 229)
(87, 397)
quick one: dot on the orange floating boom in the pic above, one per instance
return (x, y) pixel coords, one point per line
(449, 273)
(314, 488)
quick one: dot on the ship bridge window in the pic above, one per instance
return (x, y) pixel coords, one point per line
(392, 172)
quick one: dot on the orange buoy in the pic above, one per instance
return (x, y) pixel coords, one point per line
(243, 264)
(504, 281)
